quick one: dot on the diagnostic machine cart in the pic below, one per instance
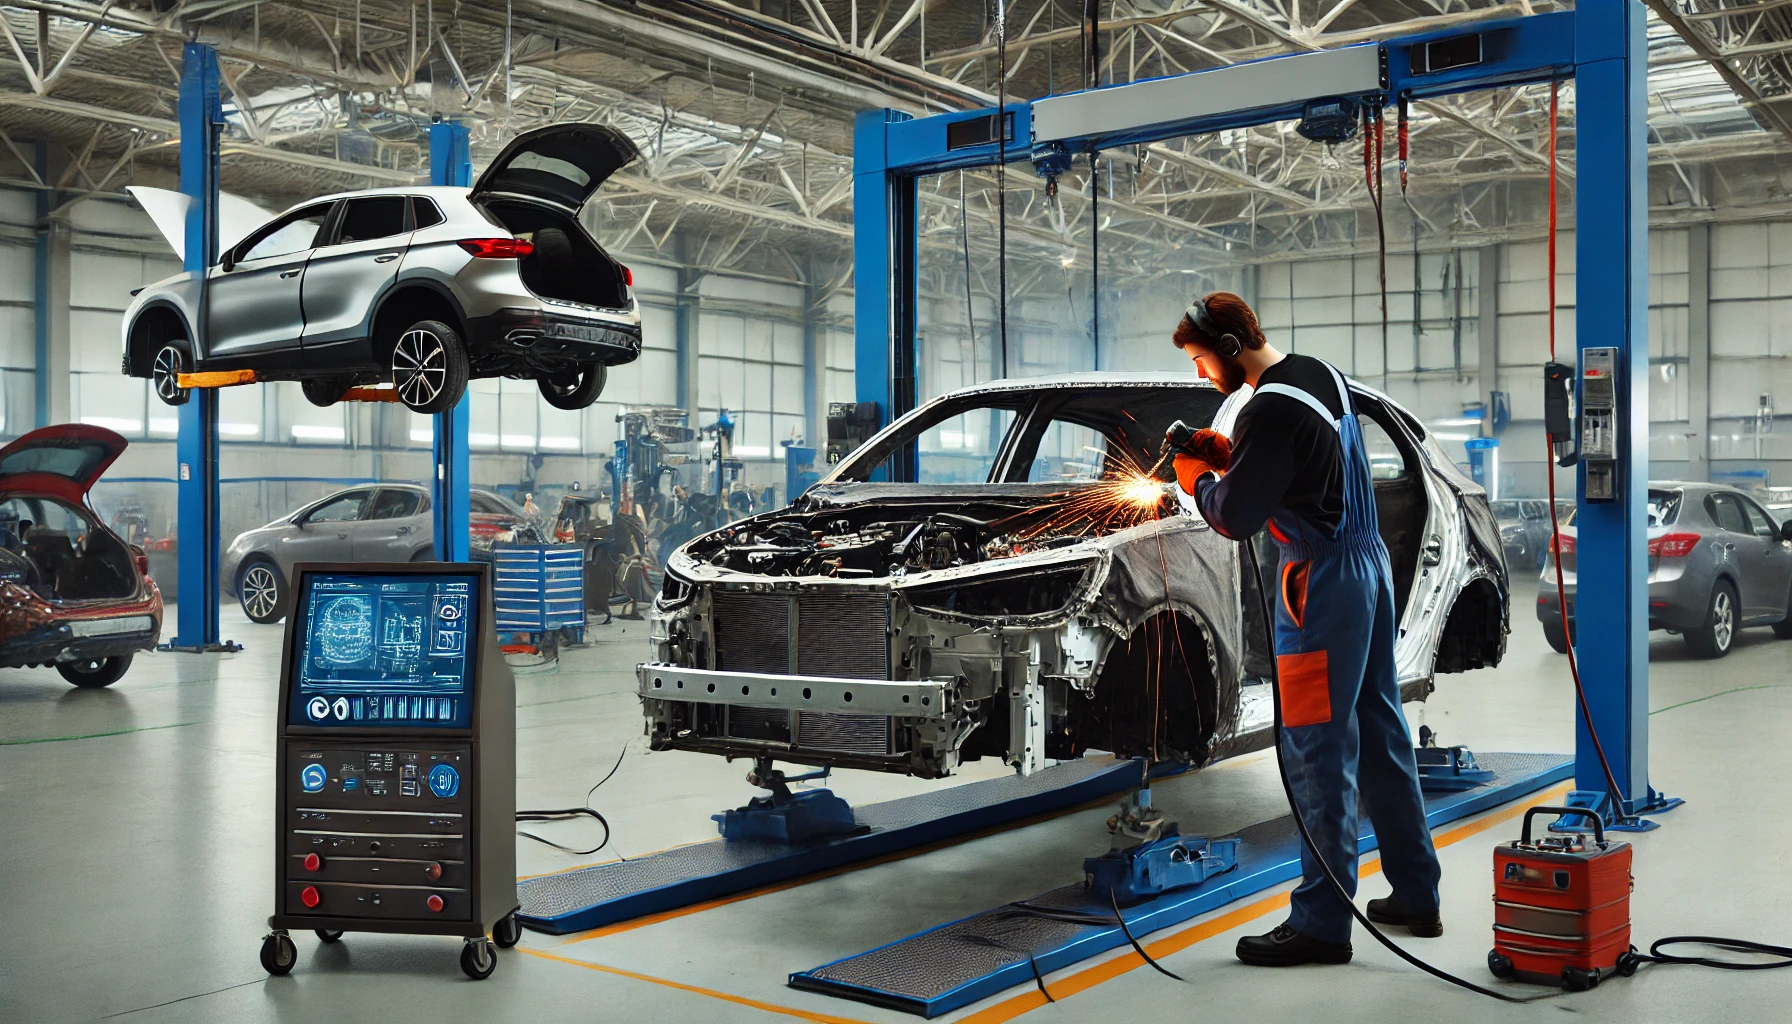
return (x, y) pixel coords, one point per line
(396, 761)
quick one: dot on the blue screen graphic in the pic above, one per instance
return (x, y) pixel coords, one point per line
(385, 651)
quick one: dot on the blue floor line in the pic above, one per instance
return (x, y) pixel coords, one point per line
(1268, 856)
(593, 897)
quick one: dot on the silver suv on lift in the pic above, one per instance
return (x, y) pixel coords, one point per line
(422, 287)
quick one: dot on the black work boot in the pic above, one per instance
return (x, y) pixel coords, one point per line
(1286, 947)
(1424, 924)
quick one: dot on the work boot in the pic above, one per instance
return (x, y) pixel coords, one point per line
(1286, 947)
(1426, 924)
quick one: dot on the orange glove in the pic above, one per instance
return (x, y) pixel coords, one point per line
(1211, 447)
(1188, 470)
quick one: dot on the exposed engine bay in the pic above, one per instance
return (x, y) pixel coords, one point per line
(870, 541)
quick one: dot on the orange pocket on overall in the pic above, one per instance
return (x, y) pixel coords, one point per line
(1306, 688)
(1294, 591)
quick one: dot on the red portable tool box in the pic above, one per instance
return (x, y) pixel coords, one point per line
(1561, 906)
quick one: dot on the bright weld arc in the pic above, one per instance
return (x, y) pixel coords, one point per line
(1130, 498)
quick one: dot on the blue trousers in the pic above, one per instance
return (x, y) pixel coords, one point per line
(1344, 735)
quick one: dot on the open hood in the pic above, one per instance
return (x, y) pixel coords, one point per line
(562, 164)
(62, 461)
(237, 217)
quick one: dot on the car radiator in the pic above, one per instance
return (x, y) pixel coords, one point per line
(839, 635)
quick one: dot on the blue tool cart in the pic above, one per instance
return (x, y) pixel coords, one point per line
(539, 590)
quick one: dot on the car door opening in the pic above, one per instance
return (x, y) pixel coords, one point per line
(60, 553)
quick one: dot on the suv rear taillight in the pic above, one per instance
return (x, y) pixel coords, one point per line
(1674, 545)
(1565, 544)
(628, 276)
(497, 248)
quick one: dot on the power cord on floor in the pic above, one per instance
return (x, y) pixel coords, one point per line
(571, 813)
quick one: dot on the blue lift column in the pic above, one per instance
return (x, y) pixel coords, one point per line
(883, 214)
(196, 446)
(1612, 310)
(451, 163)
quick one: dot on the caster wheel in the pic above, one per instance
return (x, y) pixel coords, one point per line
(507, 932)
(328, 934)
(1628, 963)
(1576, 979)
(478, 959)
(1499, 964)
(278, 954)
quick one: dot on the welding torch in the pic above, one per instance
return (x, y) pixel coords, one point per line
(1210, 448)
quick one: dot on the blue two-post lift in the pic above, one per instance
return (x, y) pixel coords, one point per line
(1599, 44)
(201, 130)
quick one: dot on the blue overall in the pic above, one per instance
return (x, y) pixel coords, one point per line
(1334, 641)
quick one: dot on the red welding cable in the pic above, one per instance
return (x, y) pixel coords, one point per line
(1405, 146)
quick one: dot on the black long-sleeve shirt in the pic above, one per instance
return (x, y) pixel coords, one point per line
(1284, 454)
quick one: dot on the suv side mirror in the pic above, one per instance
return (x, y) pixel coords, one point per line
(1786, 530)
(227, 262)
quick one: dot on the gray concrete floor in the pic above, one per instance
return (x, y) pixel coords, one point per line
(136, 869)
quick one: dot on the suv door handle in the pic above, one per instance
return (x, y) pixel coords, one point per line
(1434, 551)
(284, 274)
(402, 530)
(342, 536)
(385, 257)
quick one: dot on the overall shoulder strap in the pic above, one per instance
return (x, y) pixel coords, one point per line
(1300, 396)
(1343, 387)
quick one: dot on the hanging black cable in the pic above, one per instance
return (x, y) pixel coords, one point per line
(1094, 263)
(569, 813)
(1001, 130)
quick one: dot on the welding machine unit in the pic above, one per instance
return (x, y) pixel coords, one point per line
(1561, 906)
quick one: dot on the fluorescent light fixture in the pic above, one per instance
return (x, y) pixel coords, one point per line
(164, 425)
(116, 422)
(565, 443)
(1459, 421)
(427, 435)
(488, 440)
(518, 440)
(751, 451)
(1452, 437)
(309, 432)
(239, 429)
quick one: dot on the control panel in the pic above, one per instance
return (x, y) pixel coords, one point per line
(1599, 422)
(396, 774)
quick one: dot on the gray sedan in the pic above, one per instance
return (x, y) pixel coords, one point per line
(372, 523)
(1717, 562)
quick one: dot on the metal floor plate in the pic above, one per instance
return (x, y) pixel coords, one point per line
(953, 965)
(592, 897)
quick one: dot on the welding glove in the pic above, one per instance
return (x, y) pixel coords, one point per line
(1205, 451)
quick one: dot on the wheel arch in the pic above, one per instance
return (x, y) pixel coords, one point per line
(156, 324)
(1186, 688)
(1475, 631)
(408, 302)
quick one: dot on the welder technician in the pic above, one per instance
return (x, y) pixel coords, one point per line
(1296, 463)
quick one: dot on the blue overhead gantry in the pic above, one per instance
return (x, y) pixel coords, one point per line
(1599, 44)
(201, 130)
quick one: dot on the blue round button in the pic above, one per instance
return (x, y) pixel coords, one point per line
(313, 777)
(444, 781)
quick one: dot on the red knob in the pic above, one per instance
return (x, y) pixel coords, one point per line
(309, 896)
(432, 871)
(434, 903)
(313, 862)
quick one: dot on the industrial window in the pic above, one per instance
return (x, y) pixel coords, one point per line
(393, 503)
(752, 367)
(371, 218)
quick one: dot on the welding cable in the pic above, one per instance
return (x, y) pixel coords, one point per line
(1306, 835)
(1404, 139)
(984, 940)
(1656, 956)
(1001, 130)
(1026, 908)
(570, 813)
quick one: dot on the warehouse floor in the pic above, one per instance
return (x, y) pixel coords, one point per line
(135, 862)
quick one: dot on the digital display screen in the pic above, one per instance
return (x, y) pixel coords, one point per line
(385, 650)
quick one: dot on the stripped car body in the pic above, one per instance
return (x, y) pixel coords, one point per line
(910, 627)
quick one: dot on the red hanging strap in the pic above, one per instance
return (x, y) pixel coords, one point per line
(1555, 89)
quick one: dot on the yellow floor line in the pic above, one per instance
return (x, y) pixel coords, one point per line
(1088, 978)
(819, 1018)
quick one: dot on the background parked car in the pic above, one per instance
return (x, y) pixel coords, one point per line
(1717, 562)
(371, 523)
(72, 593)
(1524, 530)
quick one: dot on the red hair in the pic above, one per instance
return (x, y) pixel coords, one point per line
(1232, 315)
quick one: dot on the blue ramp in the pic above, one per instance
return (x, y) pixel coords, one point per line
(575, 901)
(953, 965)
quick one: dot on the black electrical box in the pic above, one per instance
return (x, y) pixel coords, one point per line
(396, 761)
(850, 424)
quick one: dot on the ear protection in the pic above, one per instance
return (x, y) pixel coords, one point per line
(1227, 343)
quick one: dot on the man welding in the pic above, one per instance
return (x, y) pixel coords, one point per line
(1296, 463)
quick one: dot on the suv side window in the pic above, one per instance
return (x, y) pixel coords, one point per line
(424, 213)
(394, 503)
(295, 232)
(344, 508)
(1760, 521)
(1726, 511)
(372, 217)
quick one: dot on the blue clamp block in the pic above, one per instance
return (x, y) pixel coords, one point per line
(1151, 869)
(1449, 770)
(788, 821)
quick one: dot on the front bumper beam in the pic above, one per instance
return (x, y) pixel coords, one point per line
(917, 698)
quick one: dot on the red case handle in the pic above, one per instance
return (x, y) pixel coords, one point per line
(1598, 826)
